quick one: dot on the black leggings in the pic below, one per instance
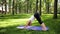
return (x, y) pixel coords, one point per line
(37, 16)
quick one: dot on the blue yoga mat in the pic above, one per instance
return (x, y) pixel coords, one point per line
(32, 27)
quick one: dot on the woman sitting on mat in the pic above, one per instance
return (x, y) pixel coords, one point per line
(37, 16)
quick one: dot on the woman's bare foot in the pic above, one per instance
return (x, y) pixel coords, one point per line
(43, 27)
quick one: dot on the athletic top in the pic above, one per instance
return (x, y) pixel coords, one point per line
(32, 18)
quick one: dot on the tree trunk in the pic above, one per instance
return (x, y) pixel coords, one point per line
(19, 7)
(2, 7)
(5, 7)
(55, 9)
(9, 6)
(30, 8)
(36, 5)
(40, 7)
(16, 6)
(47, 6)
(13, 8)
(27, 5)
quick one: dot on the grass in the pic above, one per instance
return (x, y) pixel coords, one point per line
(8, 24)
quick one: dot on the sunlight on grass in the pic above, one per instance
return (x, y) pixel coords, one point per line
(11, 22)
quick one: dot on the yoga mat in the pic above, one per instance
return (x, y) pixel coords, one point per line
(32, 27)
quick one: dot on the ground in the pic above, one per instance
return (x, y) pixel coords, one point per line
(8, 24)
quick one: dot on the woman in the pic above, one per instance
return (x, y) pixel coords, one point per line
(37, 16)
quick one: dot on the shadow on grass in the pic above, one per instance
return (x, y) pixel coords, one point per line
(15, 16)
(53, 24)
(14, 30)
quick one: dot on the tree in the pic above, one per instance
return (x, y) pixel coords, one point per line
(10, 2)
(16, 4)
(30, 6)
(27, 5)
(40, 7)
(19, 6)
(47, 5)
(5, 6)
(2, 3)
(13, 7)
(36, 5)
(55, 9)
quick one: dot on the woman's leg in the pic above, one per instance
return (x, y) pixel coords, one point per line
(37, 16)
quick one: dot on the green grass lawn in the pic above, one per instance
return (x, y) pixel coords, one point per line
(8, 24)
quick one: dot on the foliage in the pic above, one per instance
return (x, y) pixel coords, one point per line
(20, 6)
